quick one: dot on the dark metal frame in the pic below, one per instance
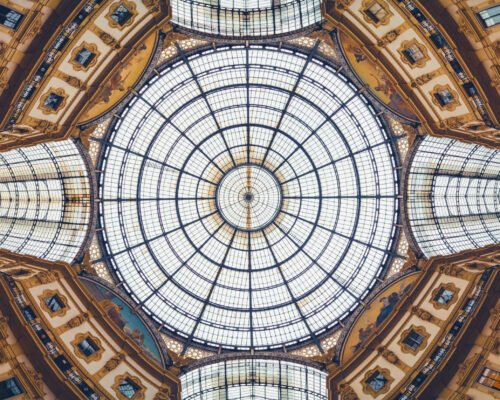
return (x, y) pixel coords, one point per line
(467, 170)
(38, 175)
(107, 142)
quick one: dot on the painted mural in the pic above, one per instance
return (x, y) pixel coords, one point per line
(126, 319)
(126, 77)
(374, 315)
(378, 81)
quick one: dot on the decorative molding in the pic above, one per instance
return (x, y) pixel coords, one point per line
(446, 286)
(346, 392)
(418, 63)
(97, 355)
(165, 393)
(452, 105)
(139, 395)
(50, 293)
(90, 47)
(130, 6)
(426, 316)
(389, 37)
(110, 365)
(383, 4)
(73, 323)
(367, 389)
(49, 110)
(408, 349)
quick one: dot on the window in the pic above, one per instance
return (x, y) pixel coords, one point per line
(128, 388)
(84, 57)
(376, 12)
(490, 378)
(413, 53)
(53, 101)
(54, 303)
(413, 340)
(377, 381)
(490, 17)
(444, 98)
(10, 388)
(88, 347)
(10, 18)
(444, 296)
(121, 15)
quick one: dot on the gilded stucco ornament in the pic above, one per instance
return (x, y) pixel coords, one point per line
(346, 392)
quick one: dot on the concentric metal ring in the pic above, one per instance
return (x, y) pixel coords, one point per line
(175, 237)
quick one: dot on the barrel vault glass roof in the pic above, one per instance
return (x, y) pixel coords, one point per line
(249, 197)
(246, 18)
(254, 379)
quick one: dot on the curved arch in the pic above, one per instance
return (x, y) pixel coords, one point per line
(453, 196)
(46, 201)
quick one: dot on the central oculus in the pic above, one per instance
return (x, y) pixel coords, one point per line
(249, 197)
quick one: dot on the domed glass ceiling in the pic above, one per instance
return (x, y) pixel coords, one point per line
(249, 197)
(246, 18)
(254, 379)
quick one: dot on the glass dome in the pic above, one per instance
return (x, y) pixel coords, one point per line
(254, 379)
(249, 197)
(246, 18)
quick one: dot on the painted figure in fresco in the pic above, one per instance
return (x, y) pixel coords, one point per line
(388, 304)
(115, 313)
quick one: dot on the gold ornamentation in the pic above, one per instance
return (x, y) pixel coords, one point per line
(3, 48)
(116, 7)
(422, 314)
(139, 395)
(389, 37)
(388, 355)
(45, 277)
(113, 362)
(423, 79)
(453, 122)
(164, 393)
(343, 4)
(46, 109)
(443, 89)
(46, 294)
(446, 286)
(452, 270)
(376, 12)
(368, 389)
(108, 40)
(32, 31)
(92, 357)
(90, 47)
(77, 321)
(346, 392)
(407, 44)
(44, 126)
(405, 348)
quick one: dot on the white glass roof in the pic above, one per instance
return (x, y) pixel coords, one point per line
(246, 18)
(254, 379)
(45, 201)
(249, 197)
(454, 196)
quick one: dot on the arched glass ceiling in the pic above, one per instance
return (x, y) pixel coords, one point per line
(249, 197)
(254, 379)
(454, 196)
(45, 201)
(246, 18)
